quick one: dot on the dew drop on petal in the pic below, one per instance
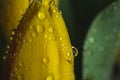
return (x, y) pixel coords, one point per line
(45, 60)
(39, 28)
(49, 77)
(50, 30)
(41, 15)
(61, 38)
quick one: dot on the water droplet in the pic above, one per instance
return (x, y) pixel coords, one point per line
(13, 33)
(69, 59)
(59, 31)
(50, 37)
(62, 45)
(57, 16)
(24, 40)
(54, 11)
(114, 6)
(11, 38)
(39, 29)
(45, 60)
(61, 38)
(6, 52)
(49, 77)
(46, 36)
(91, 39)
(68, 54)
(8, 46)
(75, 51)
(15, 69)
(4, 57)
(50, 29)
(14, 54)
(27, 68)
(11, 74)
(41, 15)
(52, 2)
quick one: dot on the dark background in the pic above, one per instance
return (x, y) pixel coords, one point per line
(78, 15)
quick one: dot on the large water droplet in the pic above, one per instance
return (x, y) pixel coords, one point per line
(75, 51)
(49, 77)
(20, 64)
(41, 15)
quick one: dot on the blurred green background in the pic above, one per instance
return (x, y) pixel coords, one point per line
(78, 16)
